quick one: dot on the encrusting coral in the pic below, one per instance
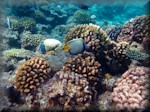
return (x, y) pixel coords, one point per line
(31, 74)
(93, 35)
(66, 90)
(132, 89)
(86, 65)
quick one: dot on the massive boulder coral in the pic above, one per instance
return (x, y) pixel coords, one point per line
(135, 30)
(31, 74)
(31, 41)
(132, 89)
(93, 35)
(66, 90)
(86, 65)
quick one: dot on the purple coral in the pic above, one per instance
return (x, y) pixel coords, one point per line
(131, 91)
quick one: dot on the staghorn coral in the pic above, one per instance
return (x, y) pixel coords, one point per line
(136, 29)
(17, 53)
(93, 35)
(31, 41)
(31, 74)
(86, 65)
(131, 90)
(82, 17)
(66, 90)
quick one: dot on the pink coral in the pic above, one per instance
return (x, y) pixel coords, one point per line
(131, 91)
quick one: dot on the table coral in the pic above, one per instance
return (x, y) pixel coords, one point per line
(31, 74)
(86, 65)
(131, 90)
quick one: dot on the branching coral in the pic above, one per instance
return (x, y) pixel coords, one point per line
(131, 91)
(18, 53)
(66, 90)
(31, 41)
(86, 65)
(116, 58)
(31, 74)
(135, 30)
(93, 35)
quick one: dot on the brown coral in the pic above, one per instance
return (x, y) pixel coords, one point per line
(93, 35)
(116, 58)
(66, 90)
(86, 65)
(135, 30)
(31, 74)
(131, 91)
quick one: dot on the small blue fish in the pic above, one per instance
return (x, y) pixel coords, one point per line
(8, 22)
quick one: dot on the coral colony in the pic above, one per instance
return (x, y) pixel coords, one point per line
(70, 57)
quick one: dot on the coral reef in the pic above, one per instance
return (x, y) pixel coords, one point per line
(116, 57)
(31, 41)
(113, 32)
(38, 16)
(104, 101)
(66, 90)
(135, 30)
(136, 51)
(92, 34)
(24, 23)
(17, 53)
(131, 90)
(86, 65)
(82, 17)
(31, 74)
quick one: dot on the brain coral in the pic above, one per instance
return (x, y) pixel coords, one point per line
(66, 90)
(93, 35)
(136, 29)
(31, 41)
(86, 65)
(31, 74)
(132, 89)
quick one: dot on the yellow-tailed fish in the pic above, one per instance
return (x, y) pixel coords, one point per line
(75, 46)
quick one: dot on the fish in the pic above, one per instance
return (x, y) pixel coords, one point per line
(8, 22)
(75, 46)
(83, 6)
